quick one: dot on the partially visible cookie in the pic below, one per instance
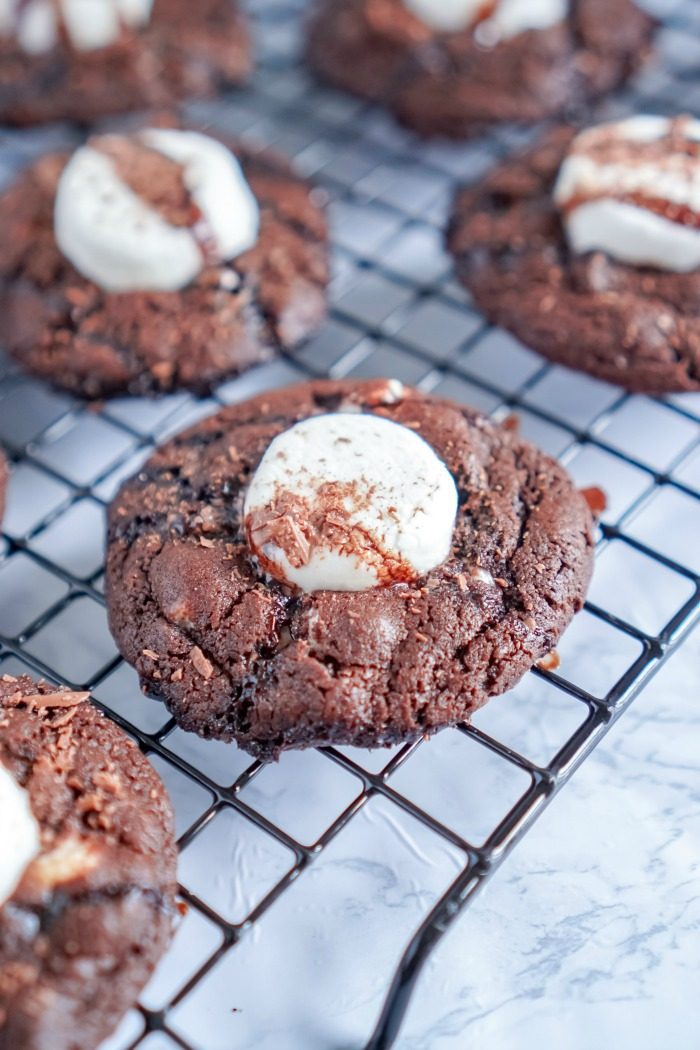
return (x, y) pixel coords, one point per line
(157, 260)
(3, 483)
(453, 69)
(587, 248)
(87, 869)
(342, 563)
(65, 60)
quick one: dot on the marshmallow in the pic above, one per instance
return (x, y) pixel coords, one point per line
(37, 31)
(348, 502)
(19, 834)
(632, 190)
(494, 20)
(89, 24)
(92, 24)
(122, 243)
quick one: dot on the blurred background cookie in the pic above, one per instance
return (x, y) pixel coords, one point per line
(587, 248)
(84, 59)
(160, 259)
(453, 68)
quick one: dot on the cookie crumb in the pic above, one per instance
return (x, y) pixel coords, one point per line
(596, 499)
(201, 664)
(550, 662)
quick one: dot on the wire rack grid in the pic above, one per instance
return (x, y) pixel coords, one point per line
(305, 864)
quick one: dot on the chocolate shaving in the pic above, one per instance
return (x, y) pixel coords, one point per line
(299, 526)
(65, 719)
(596, 500)
(681, 214)
(673, 151)
(201, 664)
(61, 699)
(157, 179)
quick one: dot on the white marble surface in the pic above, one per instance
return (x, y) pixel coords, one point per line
(590, 935)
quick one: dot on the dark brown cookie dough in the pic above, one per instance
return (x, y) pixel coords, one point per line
(635, 326)
(448, 84)
(238, 656)
(3, 483)
(63, 328)
(186, 50)
(93, 913)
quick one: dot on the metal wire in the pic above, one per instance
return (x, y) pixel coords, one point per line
(395, 311)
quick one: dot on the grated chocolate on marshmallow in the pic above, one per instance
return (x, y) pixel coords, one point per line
(348, 502)
(632, 190)
(148, 212)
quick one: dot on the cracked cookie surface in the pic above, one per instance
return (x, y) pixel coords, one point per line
(236, 655)
(449, 84)
(186, 49)
(65, 329)
(634, 326)
(93, 912)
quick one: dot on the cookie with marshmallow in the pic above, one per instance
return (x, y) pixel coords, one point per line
(156, 260)
(588, 249)
(87, 868)
(453, 67)
(102, 57)
(342, 563)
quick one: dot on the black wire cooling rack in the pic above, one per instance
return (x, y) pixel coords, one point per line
(396, 311)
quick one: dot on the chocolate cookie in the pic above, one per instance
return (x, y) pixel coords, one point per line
(632, 324)
(148, 262)
(57, 64)
(87, 872)
(202, 541)
(441, 77)
(3, 483)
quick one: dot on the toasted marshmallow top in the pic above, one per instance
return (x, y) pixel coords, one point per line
(123, 242)
(496, 19)
(350, 501)
(88, 24)
(632, 189)
(19, 833)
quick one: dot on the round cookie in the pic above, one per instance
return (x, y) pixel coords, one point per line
(75, 315)
(456, 83)
(3, 483)
(237, 654)
(83, 924)
(636, 326)
(137, 56)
